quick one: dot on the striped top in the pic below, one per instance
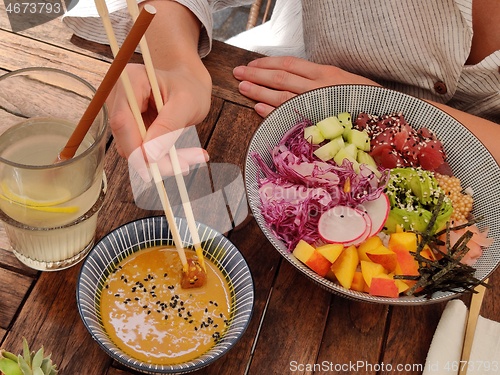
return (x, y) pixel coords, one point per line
(417, 47)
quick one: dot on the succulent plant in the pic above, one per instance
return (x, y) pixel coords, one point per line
(29, 363)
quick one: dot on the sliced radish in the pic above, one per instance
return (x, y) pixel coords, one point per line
(366, 233)
(342, 224)
(378, 210)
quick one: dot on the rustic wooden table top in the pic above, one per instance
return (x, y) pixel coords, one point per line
(296, 327)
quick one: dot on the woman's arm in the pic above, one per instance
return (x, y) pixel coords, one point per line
(486, 131)
(272, 80)
(184, 82)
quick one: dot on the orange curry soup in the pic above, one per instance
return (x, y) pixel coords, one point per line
(151, 318)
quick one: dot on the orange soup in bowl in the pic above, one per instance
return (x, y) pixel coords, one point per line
(151, 318)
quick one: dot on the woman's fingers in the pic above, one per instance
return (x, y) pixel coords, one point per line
(290, 64)
(188, 157)
(263, 94)
(123, 125)
(273, 78)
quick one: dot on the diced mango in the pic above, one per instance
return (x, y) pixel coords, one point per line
(308, 255)
(358, 282)
(367, 245)
(384, 287)
(303, 251)
(370, 269)
(331, 251)
(345, 266)
(403, 240)
(382, 255)
(319, 264)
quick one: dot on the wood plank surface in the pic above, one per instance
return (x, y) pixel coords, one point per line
(50, 318)
(13, 291)
(354, 333)
(9, 261)
(55, 45)
(296, 327)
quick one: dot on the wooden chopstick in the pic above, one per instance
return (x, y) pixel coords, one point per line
(474, 311)
(133, 9)
(134, 106)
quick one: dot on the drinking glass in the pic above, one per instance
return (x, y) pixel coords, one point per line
(48, 208)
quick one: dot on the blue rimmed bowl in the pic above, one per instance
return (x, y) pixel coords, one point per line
(135, 236)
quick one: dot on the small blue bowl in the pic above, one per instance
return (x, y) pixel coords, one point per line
(154, 231)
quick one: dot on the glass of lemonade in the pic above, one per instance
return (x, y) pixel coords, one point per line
(49, 209)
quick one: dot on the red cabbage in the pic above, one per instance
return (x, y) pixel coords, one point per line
(298, 187)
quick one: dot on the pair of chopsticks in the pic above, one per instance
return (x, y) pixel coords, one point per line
(474, 311)
(158, 180)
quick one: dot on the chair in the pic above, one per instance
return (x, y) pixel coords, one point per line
(254, 13)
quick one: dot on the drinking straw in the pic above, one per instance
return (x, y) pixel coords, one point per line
(122, 58)
(134, 107)
(155, 88)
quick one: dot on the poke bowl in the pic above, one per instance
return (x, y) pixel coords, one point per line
(163, 328)
(273, 170)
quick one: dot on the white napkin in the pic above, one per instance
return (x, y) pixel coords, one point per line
(485, 352)
(446, 346)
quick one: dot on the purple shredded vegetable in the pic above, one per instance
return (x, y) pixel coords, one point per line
(298, 187)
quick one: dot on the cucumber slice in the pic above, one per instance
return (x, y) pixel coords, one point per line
(345, 119)
(360, 138)
(330, 127)
(313, 135)
(330, 149)
(365, 158)
(349, 152)
(327, 151)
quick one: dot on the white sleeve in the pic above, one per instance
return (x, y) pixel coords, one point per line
(83, 19)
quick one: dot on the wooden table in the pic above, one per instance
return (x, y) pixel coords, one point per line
(296, 327)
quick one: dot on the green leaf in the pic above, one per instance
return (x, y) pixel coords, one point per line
(25, 368)
(26, 352)
(9, 355)
(46, 365)
(9, 367)
(37, 359)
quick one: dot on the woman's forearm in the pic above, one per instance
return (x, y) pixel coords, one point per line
(486, 131)
(173, 36)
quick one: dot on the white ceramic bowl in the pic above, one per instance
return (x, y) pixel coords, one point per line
(468, 158)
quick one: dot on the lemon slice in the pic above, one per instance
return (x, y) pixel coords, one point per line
(39, 205)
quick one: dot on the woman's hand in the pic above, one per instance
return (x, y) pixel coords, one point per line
(272, 80)
(185, 86)
(186, 94)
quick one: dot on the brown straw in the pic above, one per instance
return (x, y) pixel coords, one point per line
(113, 74)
